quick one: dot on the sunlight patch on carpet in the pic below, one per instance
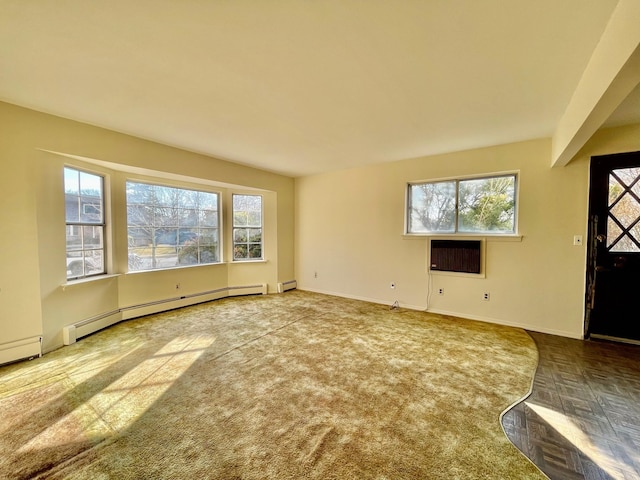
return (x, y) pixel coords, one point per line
(118, 406)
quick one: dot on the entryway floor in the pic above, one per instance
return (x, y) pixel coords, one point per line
(582, 419)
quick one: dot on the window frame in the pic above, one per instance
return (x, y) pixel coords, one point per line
(200, 227)
(234, 227)
(81, 225)
(456, 232)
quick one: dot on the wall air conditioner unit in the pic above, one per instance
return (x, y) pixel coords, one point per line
(463, 256)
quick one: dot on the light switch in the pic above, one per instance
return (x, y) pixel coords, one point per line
(577, 240)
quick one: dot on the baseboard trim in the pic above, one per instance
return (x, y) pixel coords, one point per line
(507, 323)
(609, 338)
(479, 318)
(363, 299)
(73, 332)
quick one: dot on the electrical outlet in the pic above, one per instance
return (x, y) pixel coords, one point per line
(393, 284)
(177, 286)
(486, 296)
(441, 291)
(577, 240)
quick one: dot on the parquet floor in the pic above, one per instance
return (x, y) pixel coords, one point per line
(582, 419)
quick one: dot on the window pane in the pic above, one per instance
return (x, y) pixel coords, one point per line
(208, 236)
(139, 193)
(624, 207)
(135, 261)
(140, 259)
(240, 252)
(240, 235)
(187, 236)
(255, 235)
(255, 251)
(615, 189)
(90, 185)
(166, 237)
(165, 226)
(75, 264)
(165, 216)
(71, 181)
(208, 218)
(90, 209)
(189, 217)
(92, 237)
(254, 219)
(240, 219)
(189, 199)
(208, 254)
(240, 202)
(72, 208)
(93, 262)
(188, 255)
(432, 207)
(140, 237)
(626, 210)
(478, 205)
(247, 212)
(139, 214)
(208, 201)
(84, 216)
(74, 237)
(164, 196)
(487, 205)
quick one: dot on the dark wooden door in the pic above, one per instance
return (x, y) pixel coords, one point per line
(613, 271)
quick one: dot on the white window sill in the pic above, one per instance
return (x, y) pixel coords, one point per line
(237, 262)
(244, 262)
(95, 278)
(453, 236)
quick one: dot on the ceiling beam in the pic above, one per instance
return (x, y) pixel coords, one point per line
(611, 74)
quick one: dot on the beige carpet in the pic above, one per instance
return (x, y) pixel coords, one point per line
(288, 386)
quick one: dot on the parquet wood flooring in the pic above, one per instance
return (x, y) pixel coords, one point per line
(582, 419)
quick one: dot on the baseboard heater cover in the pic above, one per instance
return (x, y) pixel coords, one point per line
(289, 285)
(259, 289)
(20, 349)
(71, 333)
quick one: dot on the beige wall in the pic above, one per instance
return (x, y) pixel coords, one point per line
(348, 228)
(20, 309)
(34, 295)
(350, 224)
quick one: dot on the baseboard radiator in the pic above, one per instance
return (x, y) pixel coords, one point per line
(284, 286)
(20, 349)
(75, 331)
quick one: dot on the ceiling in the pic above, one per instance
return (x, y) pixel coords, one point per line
(301, 87)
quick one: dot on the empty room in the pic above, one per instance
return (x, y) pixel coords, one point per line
(330, 239)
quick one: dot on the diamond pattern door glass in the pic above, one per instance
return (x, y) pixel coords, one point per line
(623, 223)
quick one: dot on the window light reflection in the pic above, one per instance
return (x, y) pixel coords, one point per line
(566, 427)
(117, 407)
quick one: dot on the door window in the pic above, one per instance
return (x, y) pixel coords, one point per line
(623, 222)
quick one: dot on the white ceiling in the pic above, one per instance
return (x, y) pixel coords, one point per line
(299, 86)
